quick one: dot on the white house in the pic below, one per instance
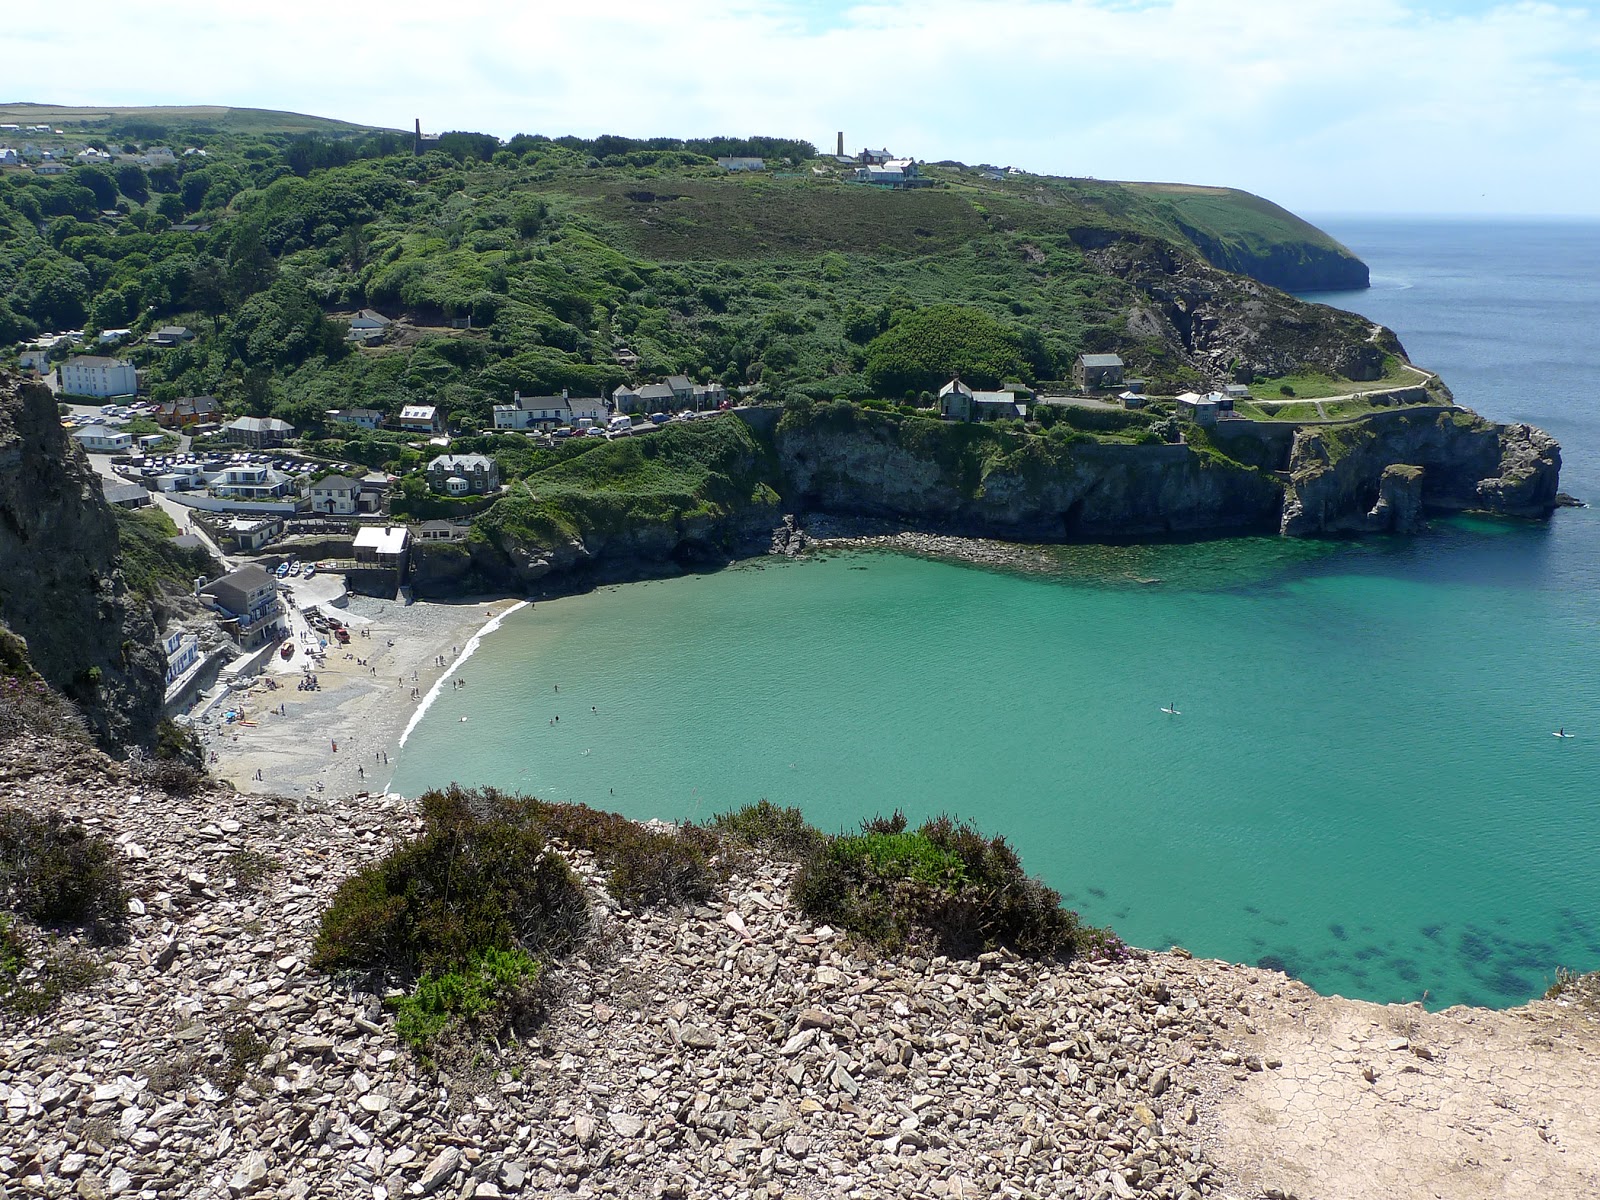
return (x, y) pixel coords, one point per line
(366, 418)
(335, 494)
(90, 155)
(9, 157)
(182, 649)
(741, 163)
(252, 483)
(369, 318)
(585, 409)
(423, 418)
(955, 401)
(92, 375)
(36, 360)
(532, 412)
(100, 439)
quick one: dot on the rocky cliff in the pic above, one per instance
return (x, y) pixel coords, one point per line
(973, 479)
(1384, 473)
(60, 585)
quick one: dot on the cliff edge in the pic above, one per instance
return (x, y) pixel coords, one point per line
(61, 589)
(732, 1047)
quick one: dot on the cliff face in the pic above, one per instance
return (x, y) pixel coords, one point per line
(1382, 473)
(60, 586)
(976, 481)
(1231, 327)
(1292, 266)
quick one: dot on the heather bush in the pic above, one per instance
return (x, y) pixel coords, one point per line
(478, 878)
(57, 874)
(944, 884)
(783, 832)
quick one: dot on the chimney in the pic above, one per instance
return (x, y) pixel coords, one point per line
(841, 144)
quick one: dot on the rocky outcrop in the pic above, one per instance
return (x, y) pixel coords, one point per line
(1229, 327)
(960, 478)
(520, 565)
(60, 586)
(1381, 473)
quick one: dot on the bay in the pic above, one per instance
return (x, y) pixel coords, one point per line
(1362, 787)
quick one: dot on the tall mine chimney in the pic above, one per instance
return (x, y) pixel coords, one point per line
(840, 151)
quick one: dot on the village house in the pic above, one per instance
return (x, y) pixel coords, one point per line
(182, 649)
(656, 397)
(170, 335)
(532, 412)
(102, 439)
(992, 406)
(90, 156)
(187, 410)
(443, 531)
(873, 158)
(625, 400)
(370, 318)
(336, 495)
(585, 408)
(955, 401)
(35, 360)
(259, 433)
(247, 599)
(1095, 371)
(249, 534)
(463, 475)
(9, 157)
(741, 163)
(252, 483)
(374, 491)
(382, 546)
(93, 375)
(51, 168)
(682, 388)
(421, 418)
(366, 418)
(1204, 410)
(900, 174)
(124, 495)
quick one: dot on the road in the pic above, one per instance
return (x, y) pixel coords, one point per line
(179, 513)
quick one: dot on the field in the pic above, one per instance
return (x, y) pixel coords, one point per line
(72, 118)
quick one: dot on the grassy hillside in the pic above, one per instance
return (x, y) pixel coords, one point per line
(74, 118)
(562, 253)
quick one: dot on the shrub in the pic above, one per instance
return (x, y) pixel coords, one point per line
(495, 989)
(479, 878)
(944, 883)
(765, 826)
(175, 776)
(55, 873)
(34, 976)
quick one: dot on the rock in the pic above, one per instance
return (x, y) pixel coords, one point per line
(250, 1177)
(697, 1037)
(440, 1171)
(815, 1018)
(796, 1145)
(625, 1124)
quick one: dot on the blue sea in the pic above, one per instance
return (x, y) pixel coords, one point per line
(1362, 787)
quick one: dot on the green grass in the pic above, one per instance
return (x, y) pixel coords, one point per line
(208, 116)
(1314, 385)
(151, 564)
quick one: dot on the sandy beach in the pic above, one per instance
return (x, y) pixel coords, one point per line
(333, 741)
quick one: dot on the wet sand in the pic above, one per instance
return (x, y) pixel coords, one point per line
(360, 707)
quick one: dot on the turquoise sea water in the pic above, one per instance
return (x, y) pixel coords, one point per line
(1362, 786)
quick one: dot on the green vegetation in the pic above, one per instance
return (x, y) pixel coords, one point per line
(561, 250)
(27, 703)
(926, 349)
(944, 884)
(1315, 385)
(494, 988)
(698, 471)
(152, 565)
(54, 875)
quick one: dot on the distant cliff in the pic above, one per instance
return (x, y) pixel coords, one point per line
(60, 585)
(638, 508)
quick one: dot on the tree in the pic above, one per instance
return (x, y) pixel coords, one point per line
(925, 349)
(208, 288)
(250, 267)
(99, 181)
(133, 183)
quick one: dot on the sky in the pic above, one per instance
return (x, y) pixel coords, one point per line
(1326, 106)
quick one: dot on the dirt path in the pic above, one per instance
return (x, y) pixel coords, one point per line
(1379, 1101)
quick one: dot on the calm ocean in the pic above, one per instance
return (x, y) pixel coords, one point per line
(1362, 788)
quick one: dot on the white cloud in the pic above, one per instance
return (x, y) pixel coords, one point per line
(1352, 105)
